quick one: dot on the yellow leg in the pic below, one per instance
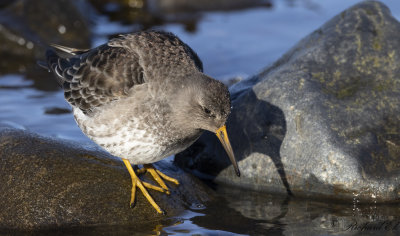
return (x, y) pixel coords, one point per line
(137, 182)
(166, 177)
(147, 185)
(158, 176)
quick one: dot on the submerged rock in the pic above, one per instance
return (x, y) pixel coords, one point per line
(47, 183)
(323, 121)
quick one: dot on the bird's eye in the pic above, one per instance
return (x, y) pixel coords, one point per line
(209, 113)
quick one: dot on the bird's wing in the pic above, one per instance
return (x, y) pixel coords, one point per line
(68, 50)
(92, 78)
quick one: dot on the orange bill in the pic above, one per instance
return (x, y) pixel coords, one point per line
(223, 137)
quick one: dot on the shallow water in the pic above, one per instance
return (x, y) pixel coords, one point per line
(241, 212)
(233, 43)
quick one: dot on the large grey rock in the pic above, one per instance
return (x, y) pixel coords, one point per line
(47, 183)
(323, 121)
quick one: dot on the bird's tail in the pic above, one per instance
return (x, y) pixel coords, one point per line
(43, 64)
(58, 58)
(54, 64)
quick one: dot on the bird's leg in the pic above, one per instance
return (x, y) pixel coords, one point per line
(166, 177)
(142, 186)
(158, 176)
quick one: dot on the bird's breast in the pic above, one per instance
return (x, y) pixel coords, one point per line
(134, 136)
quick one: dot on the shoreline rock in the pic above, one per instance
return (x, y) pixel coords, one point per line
(50, 183)
(322, 122)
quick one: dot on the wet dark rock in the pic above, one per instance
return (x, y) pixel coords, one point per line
(132, 14)
(28, 26)
(29, 22)
(57, 111)
(189, 12)
(323, 121)
(49, 183)
(184, 6)
(145, 14)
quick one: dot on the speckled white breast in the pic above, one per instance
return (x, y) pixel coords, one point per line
(123, 138)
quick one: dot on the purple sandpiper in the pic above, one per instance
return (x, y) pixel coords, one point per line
(142, 97)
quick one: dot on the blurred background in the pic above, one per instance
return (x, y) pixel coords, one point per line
(234, 38)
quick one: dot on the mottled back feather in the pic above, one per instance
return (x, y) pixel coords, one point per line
(96, 77)
(92, 78)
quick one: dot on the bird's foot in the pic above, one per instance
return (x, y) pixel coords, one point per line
(158, 176)
(136, 182)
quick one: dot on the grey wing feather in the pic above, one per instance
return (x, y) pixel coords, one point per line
(167, 36)
(93, 78)
(72, 51)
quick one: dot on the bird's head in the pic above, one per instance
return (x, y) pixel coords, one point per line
(207, 106)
